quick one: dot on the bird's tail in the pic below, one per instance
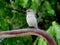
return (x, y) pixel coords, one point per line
(36, 27)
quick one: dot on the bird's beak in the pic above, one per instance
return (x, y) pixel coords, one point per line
(24, 11)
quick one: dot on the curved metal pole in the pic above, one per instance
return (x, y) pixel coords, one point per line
(21, 32)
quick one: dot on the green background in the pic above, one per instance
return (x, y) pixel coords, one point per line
(12, 17)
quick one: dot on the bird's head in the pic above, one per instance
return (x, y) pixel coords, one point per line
(29, 10)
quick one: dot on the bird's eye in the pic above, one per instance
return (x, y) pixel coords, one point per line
(28, 11)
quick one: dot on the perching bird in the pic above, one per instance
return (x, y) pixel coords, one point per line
(31, 18)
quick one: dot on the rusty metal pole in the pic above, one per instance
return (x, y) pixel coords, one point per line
(21, 32)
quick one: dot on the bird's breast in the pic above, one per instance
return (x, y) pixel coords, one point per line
(31, 20)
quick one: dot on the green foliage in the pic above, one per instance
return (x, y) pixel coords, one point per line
(10, 19)
(25, 40)
(54, 31)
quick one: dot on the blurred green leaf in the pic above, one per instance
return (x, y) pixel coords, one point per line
(35, 4)
(3, 25)
(23, 40)
(54, 30)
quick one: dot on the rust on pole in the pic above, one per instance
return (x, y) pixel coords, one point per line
(21, 32)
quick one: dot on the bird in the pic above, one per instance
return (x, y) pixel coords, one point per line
(31, 18)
